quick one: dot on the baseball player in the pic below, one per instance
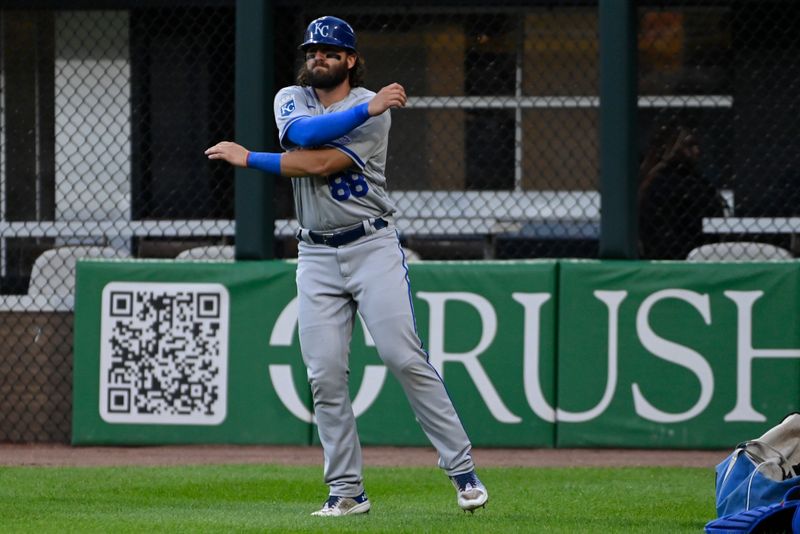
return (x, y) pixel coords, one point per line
(335, 134)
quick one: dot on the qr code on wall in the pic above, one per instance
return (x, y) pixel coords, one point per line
(164, 353)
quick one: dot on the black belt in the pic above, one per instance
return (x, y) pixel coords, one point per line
(343, 237)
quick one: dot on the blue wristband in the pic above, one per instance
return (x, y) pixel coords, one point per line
(314, 131)
(264, 161)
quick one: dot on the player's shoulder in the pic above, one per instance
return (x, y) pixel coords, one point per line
(361, 94)
(288, 99)
(291, 91)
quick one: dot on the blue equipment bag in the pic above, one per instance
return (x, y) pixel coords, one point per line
(779, 517)
(760, 472)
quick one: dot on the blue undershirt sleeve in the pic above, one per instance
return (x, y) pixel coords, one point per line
(314, 131)
(264, 161)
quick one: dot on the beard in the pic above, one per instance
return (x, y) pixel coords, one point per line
(328, 78)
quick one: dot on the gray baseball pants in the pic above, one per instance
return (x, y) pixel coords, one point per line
(368, 275)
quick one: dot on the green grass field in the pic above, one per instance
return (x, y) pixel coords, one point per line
(265, 498)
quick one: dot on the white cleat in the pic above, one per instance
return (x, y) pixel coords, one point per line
(336, 506)
(471, 492)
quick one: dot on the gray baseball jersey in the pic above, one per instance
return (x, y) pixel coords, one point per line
(358, 193)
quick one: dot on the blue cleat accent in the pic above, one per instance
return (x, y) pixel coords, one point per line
(337, 506)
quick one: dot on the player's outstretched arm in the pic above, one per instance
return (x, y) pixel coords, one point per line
(322, 162)
(309, 132)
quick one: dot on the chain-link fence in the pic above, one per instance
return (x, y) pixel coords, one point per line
(104, 116)
(718, 122)
(496, 155)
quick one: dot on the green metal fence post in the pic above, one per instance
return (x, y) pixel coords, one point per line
(255, 213)
(618, 143)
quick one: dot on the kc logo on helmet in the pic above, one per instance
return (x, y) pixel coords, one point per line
(322, 29)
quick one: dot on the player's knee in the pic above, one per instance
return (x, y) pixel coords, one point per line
(327, 376)
(401, 357)
(414, 365)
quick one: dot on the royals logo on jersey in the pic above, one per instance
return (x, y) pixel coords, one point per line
(287, 108)
(343, 140)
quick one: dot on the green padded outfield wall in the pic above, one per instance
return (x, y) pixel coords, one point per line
(207, 352)
(676, 354)
(534, 353)
(145, 323)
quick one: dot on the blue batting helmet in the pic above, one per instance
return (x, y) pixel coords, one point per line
(330, 31)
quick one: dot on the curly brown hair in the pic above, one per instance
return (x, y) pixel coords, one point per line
(355, 75)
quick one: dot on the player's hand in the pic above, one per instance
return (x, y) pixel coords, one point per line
(230, 152)
(391, 96)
